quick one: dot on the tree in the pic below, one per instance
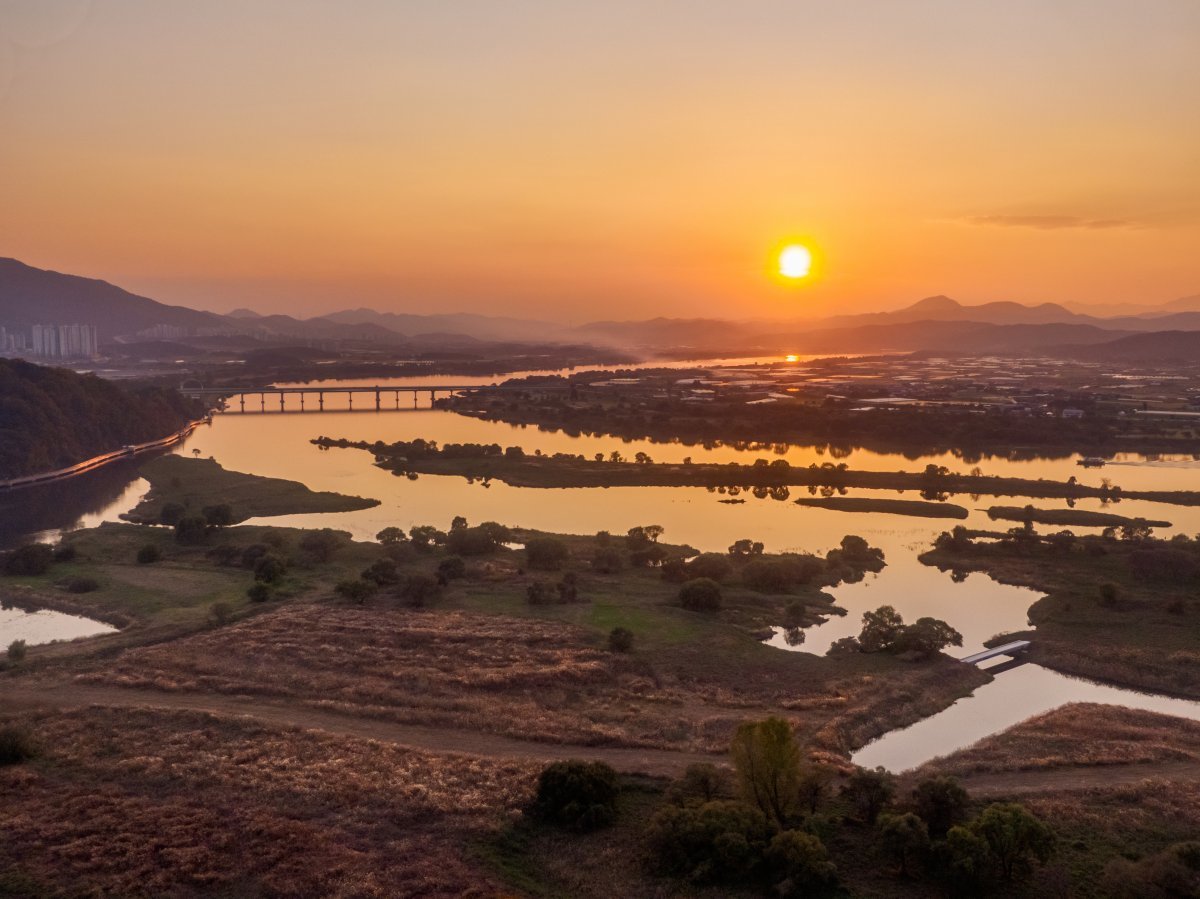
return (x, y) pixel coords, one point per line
(323, 545)
(425, 537)
(620, 639)
(576, 794)
(814, 787)
(963, 862)
(258, 592)
(742, 549)
(767, 761)
(607, 560)
(457, 523)
(220, 613)
(391, 536)
(16, 652)
(710, 565)
(870, 790)
(718, 841)
(926, 637)
(941, 802)
(191, 531)
(546, 553)
(700, 595)
(218, 516)
(171, 514)
(800, 865)
(465, 541)
(880, 629)
(905, 837)
(148, 554)
(452, 568)
(1014, 836)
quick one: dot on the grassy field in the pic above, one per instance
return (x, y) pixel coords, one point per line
(197, 483)
(1100, 618)
(142, 802)
(914, 507)
(1068, 517)
(1077, 734)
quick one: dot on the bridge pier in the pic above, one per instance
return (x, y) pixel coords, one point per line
(350, 397)
(302, 402)
(262, 401)
(243, 399)
(321, 401)
(281, 402)
(376, 400)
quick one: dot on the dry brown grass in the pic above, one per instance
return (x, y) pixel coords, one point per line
(137, 802)
(1077, 734)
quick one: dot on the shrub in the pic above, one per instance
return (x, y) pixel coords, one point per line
(701, 782)
(575, 794)
(713, 566)
(419, 590)
(768, 575)
(607, 560)
(905, 837)
(539, 594)
(65, 552)
(425, 537)
(269, 569)
(1172, 873)
(191, 531)
(82, 585)
(259, 592)
(941, 802)
(620, 639)
(31, 559)
(546, 553)
(700, 595)
(221, 613)
(719, 841)
(381, 572)
(452, 568)
(323, 545)
(17, 651)
(16, 745)
(148, 554)
(870, 791)
(356, 591)
(649, 556)
(800, 865)
(465, 541)
(171, 514)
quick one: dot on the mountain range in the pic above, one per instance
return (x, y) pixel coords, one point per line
(30, 296)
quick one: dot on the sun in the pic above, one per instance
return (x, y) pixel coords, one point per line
(795, 261)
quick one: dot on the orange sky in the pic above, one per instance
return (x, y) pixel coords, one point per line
(580, 160)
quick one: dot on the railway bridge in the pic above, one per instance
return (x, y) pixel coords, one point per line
(377, 392)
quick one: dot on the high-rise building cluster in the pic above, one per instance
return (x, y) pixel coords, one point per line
(13, 341)
(65, 341)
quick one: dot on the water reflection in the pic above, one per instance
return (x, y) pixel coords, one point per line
(46, 627)
(1014, 696)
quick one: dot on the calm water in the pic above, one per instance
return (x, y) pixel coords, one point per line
(277, 444)
(46, 626)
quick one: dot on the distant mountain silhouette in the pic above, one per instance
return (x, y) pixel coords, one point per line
(480, 327)
(942, 308)
(243, 313)
(30, 296)
(1156, 346)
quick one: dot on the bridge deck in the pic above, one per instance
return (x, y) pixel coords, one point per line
(1008, 649)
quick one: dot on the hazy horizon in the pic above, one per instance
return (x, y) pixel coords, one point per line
(573, 162)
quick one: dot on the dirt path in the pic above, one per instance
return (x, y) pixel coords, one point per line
(14, 695)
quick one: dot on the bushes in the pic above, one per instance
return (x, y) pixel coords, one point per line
(1168, 874)
(870, 791)
(358, 591)
(16, 745)
(323, 545)
(31, 559)
(269, 569)
(546, 553)
(941, 802)
(700, 595)
(722, 841)
(478, 541)
(620, 639)
(418, 590)
(191, 531)
(148, 554)
(713, 566)
(799, 865)
(16, 652)
(381, 573)
(578, 795)
(82, 585)
(65, 552)
(452, 568)
(258, 592)
(171, 514)
(218, 516)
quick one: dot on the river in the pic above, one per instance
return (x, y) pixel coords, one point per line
(278, 444)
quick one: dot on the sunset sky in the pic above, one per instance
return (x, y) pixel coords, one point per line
(583, 160)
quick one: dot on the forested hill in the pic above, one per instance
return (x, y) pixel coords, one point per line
(52, 417)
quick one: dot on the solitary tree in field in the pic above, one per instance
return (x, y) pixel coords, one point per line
(767, 761)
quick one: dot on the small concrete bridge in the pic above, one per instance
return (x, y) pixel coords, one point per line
(375, 391)
(1008, 649)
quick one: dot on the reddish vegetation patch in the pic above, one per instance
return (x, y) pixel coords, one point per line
(140, 802)
(1079, 734)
